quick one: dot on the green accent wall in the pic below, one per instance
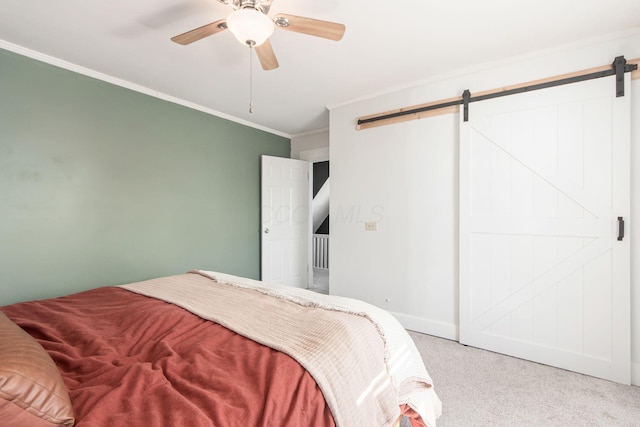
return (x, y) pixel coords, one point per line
(101, 185)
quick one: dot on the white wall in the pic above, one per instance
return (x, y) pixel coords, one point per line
(405, 178)
(309, 141)
(635, 232)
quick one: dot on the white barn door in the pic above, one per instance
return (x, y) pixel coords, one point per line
(544, 177)
(285, 221)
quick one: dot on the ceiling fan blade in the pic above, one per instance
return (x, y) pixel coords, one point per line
(200, 32)
(267, 56)
(312, 27)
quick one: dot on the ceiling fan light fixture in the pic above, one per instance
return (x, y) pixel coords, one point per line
(250, 26)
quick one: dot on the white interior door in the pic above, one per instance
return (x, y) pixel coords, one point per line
(544, 177)
(285, 221)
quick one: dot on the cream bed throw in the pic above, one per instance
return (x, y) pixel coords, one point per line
(321, 333)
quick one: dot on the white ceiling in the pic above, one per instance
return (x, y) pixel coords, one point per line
(387, 44)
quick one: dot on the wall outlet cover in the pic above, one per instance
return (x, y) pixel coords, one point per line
(371, 226)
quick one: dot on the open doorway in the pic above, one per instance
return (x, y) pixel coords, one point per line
(320, 184)
(319, 190)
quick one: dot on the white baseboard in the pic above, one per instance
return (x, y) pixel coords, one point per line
(635, 373)
(427, 326)
(450, 331)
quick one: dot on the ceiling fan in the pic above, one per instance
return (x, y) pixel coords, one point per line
(251, 25)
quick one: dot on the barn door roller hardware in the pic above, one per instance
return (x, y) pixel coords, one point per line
(466, 99)
(618, 68)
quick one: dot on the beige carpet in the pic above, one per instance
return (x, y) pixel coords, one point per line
(481, 388)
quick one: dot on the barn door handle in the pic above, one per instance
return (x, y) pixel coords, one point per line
(620, 228)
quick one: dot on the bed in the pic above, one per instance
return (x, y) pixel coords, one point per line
(208, 349)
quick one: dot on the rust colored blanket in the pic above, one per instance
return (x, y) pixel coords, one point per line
(130, 360)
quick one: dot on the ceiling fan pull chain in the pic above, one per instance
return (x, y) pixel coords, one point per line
(250, 78)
